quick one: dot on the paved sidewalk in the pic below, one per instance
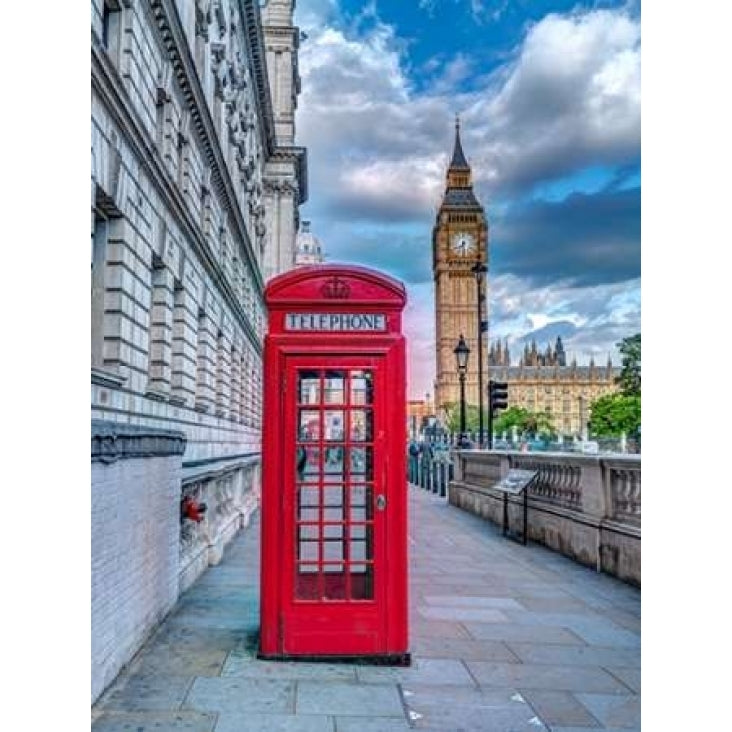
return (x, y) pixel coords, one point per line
(504, 638)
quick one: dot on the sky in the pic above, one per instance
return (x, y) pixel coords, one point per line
(548, 94)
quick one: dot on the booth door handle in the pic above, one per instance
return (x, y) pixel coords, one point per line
(381, 502)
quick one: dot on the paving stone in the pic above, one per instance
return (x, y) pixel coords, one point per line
(590, 627)
(154, 722)
(234, 694)
(553, 604)
(359, 724)
(575, 655)
(472, 601)
(440, 671)
(483, 615)
(445, 709)
(513, 632)
(614, 711)
(242, 664)
(437, 629)
(595, 729)
(631, 677)
(550, 677)
(339, 698)
(151, 693)
(179, 660)
(559, 707)
(246, 722)
(477, 650)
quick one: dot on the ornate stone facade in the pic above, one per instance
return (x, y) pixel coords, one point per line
(286, 171)
(185, 147)
(459, 242)
(543, 382)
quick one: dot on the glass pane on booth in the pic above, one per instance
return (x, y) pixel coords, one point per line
(361, 503)
(308, 504)
(362, 462)
(309, 392)
(361, 387)
(333, 466)
(333, 425)
(361, 425)
(309, 426)
(333, 504)
(335, 387)
(307, 464)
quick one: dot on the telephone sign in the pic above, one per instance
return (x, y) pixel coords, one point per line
(334, 503)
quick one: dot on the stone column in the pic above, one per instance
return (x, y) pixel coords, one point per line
(125, 326)
(206, 363)
(161, 330)
(223, 373)
(184, 347)
(246, 386)
(235, 399)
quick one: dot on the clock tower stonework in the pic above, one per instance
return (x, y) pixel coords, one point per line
(459, 242)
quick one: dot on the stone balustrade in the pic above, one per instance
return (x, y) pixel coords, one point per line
(586, 507)
(231, 496)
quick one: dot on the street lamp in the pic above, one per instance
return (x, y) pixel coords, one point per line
(462, 352)
(479, 270)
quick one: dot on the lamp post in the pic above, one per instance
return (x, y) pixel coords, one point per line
(461, 356)
(479, 270)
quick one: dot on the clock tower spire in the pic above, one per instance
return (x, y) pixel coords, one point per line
(459, 242)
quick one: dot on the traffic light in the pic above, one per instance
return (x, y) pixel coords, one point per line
(498, 395)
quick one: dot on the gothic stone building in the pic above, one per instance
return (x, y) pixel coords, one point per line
(459, 242)
(543, 382)
(195, 185)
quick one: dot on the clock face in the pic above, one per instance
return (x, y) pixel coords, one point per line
(463, 243)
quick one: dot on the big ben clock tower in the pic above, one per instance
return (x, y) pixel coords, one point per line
(459, 242)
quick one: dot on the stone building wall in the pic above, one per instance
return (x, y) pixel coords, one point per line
(565, 392)
(182, 133)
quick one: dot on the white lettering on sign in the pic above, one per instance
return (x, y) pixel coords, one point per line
(341, 322)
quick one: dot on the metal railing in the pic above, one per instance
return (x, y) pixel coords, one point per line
(430, 465)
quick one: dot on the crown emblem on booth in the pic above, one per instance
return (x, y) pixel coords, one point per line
(335, 288)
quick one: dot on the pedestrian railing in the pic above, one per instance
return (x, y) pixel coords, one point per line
(431, 467)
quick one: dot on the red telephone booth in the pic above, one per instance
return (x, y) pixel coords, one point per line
(334, 503)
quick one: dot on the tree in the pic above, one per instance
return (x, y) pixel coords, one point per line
(472, 417)
(630, 375)
(512, 417)
(535, 423)
(613, 414)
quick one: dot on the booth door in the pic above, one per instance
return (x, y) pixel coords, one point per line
(335, 506)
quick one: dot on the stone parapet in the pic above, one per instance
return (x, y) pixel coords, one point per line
(586, 507)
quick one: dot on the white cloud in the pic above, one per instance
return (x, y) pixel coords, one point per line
(569, 99)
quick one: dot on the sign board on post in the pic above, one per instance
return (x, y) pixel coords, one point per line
(514, 483)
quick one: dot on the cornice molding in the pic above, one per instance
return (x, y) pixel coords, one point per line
(176, 43)
(108, 85)
(112, 441)
(249, 10)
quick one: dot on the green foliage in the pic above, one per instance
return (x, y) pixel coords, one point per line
(613, 414)
(472, 417)
(526, 422)
(630, 375)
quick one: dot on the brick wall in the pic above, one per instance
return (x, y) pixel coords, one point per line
(135, 535)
